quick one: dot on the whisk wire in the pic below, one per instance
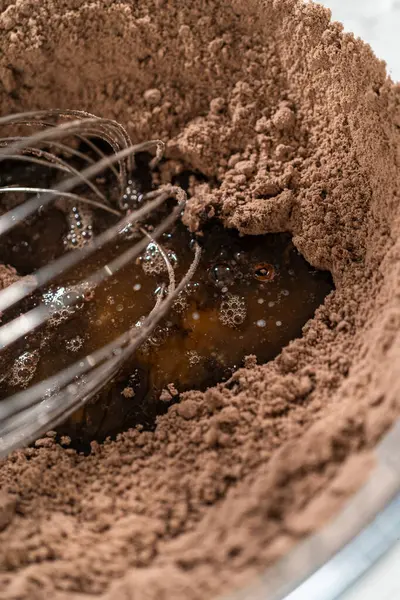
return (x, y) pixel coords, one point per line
(68, 400)
(30, 412)
(69, 195)
(20, 326)
(21, 212)
(19, 290)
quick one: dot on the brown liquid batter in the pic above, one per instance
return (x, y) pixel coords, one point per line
(249, 295)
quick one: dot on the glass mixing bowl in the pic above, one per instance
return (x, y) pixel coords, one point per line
(356, 556)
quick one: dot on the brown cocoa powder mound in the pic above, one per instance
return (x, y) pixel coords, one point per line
(296, 126)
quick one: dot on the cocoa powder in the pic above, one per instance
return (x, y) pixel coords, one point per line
(296, 127)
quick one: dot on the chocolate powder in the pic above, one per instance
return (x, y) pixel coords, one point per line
(296, 127)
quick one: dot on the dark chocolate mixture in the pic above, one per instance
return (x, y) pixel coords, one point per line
(249, 296)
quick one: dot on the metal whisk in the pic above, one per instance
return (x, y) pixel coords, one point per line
(29, 413)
